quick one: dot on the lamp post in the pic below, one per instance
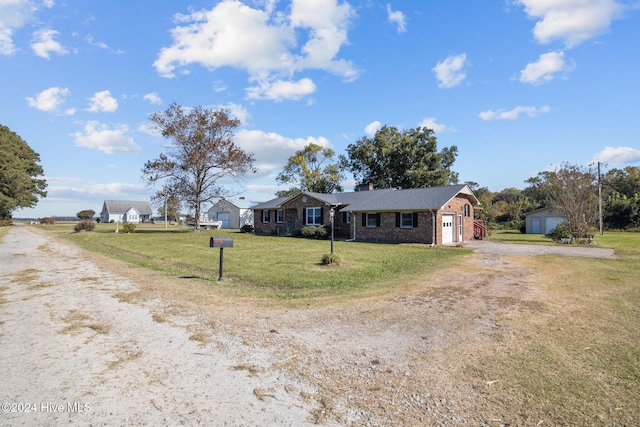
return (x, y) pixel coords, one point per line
(331, 216)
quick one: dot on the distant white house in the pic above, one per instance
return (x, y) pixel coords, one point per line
(125, 211)
(543, 221)
(231, 215)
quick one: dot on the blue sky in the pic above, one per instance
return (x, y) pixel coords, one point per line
(519, 86)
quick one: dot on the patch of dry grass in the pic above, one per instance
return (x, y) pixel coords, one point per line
(78, 321)
(123, 355)
(25, 276)
(251, 369)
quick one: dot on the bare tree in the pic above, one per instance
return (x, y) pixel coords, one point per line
(572, 191)
(201, 151)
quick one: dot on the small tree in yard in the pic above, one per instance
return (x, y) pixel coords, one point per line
(572, 191)
(201, 151)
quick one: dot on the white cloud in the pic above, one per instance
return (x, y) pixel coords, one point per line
(618, 155)
(545, 69)
(153, 98)
(272, 150)
(99, 136)
(14, 15)
(571, 21)
(44, 44)
(514, 113)
(372, 128)
(237, 111)
(431, 123)
(450, 72)
(280, 90)
(49, 99)
(264, 42)
(397, 18)
(103, 102)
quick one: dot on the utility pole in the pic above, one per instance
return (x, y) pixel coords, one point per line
(599, 200)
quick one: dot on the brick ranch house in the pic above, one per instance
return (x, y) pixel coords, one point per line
(434, 215)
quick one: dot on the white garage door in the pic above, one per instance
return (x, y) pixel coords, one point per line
(447, 228)
(224, 217)
(551, 222)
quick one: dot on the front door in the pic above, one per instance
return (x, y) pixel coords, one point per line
(447, 228)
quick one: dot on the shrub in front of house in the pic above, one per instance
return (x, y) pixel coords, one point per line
(560, 232)
(247, 228)
(84, 225)
(313, 232)
(128, 227)
(330, 259)
(309, 232)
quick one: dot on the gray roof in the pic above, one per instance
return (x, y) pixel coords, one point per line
(122, 206)
(409, 199)
(388, 199)
(270, 204)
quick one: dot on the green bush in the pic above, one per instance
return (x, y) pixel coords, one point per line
(84, 225)
(560, 232)
(309, 232)
(128, 227)
(247, 228)
(330, 259)
(313, 232)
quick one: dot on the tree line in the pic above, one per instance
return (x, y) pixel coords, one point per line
(201, 151)
(574, 190)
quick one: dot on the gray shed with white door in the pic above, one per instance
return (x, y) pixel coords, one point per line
(543, 220)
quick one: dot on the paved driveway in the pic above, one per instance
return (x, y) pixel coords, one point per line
(490, 247)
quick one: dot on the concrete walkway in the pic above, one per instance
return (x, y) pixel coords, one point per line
(491, 247)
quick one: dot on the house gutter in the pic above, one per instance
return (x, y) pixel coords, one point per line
(433, 228)
(354, 229)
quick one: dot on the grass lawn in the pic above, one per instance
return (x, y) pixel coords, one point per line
(265, 265)
(621, 241)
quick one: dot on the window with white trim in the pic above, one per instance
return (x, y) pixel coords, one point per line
(266, 216)
(314, 216)
(279, 216)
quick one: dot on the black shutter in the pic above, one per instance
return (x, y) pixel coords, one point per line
(397, 219)
(344, 217)
(415, 219)
(304, 216)
(377, 220)
(321, 215)
(364, 220)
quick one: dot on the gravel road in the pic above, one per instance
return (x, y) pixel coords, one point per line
(72, 353)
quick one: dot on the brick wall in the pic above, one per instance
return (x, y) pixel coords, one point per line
(387, 231)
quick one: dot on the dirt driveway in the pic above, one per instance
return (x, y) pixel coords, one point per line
(90, 341)
(490, 247)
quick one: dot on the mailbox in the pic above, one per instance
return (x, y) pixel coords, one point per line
(221, 242)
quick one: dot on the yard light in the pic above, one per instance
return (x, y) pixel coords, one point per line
(331, 216)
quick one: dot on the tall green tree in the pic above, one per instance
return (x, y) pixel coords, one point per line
(572, 190)
(21, 184)
(172, 205)
(311, 169)
(621, 193)
(401, 159)
(201, 151)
